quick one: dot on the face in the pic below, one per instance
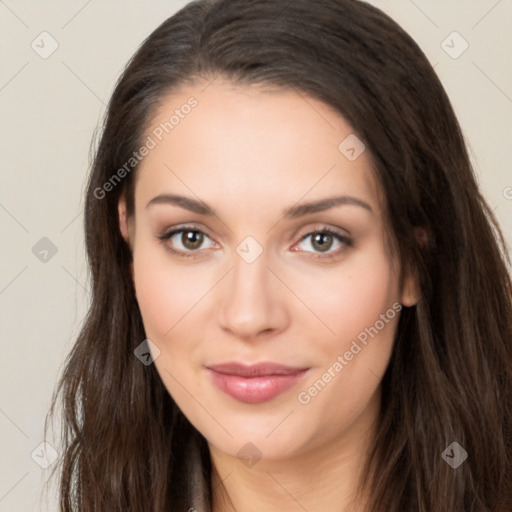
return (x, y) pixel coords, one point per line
(256, 239)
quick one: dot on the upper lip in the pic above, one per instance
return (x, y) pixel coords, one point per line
(254, 370)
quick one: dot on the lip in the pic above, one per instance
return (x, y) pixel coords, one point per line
(255, 383)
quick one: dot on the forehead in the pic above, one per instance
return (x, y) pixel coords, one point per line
(259, 147)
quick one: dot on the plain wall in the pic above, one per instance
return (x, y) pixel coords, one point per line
(49, 110)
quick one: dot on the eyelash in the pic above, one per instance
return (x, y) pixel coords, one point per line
(323, 230)
(343, 240)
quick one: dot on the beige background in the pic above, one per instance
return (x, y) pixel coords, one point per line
(49, 109)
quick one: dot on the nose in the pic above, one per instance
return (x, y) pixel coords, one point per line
(253, 301)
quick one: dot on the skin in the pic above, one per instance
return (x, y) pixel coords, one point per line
(250, 154)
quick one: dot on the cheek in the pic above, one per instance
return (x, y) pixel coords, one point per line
(350, 299)
(157, 297)
(166, 293)
(361, 309)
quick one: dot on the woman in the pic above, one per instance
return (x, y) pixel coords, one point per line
(300, 297)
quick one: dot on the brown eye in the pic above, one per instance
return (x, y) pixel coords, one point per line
(322, 241)
(186, 241)
(192, 239)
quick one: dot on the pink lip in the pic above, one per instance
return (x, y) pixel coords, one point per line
(255, 383)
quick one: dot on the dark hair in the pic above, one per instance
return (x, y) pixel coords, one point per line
(127, 445)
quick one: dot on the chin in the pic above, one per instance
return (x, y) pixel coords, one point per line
(256, 440)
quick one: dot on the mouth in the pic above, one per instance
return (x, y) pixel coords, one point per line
(255, 383)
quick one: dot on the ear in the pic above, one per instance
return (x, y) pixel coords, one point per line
(411, 292)
(123, 219)
(124, 226)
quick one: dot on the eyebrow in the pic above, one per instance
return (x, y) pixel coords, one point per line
(293, 212)
(324, 204)
(185, 202)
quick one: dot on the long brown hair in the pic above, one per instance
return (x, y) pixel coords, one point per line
(126, 444)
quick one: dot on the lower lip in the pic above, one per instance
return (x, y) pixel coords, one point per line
(254, 390)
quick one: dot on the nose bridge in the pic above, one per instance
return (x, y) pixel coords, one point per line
(251, 301)
(250, 277)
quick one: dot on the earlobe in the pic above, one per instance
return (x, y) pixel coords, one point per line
(411, 288)
(123, 226)
(421, 236)
(123, 219)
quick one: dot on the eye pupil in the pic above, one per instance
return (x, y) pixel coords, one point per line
(192, 239)
(322, 241)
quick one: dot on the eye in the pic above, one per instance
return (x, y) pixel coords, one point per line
(185, 240)
(324, 242)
